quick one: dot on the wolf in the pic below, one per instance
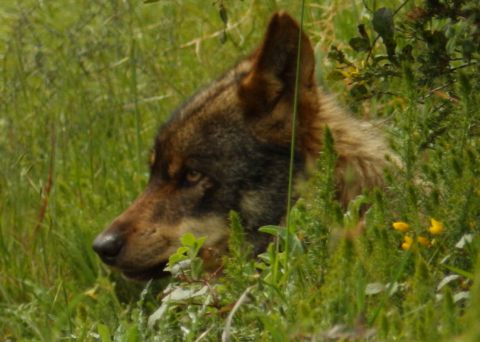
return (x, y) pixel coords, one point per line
(228, 148)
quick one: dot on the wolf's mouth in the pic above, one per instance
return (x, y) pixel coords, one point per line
(153, 272)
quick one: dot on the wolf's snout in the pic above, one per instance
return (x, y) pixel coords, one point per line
(108, 246)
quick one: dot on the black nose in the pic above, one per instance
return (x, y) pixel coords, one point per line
(108, 246)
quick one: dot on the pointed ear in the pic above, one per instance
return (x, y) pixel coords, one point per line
(273, 72)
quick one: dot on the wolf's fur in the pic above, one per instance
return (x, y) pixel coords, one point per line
(227, 148)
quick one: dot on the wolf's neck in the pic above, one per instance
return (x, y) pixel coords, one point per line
(362, 153)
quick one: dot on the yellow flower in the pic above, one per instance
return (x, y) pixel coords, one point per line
(401, 226)
(407, 242)
(436, 227)
(422, 240)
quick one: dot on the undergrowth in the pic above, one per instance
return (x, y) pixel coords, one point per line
(84, 87)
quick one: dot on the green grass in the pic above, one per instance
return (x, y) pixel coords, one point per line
(84, 86)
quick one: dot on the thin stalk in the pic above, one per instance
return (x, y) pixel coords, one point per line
(293, 140)
(134, 86)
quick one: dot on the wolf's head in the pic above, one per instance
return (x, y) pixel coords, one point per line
(226, 148)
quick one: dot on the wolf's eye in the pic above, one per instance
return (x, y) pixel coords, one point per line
(193, 176)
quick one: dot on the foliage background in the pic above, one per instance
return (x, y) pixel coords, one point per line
(84, 86)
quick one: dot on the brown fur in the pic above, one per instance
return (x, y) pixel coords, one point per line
(227, 149)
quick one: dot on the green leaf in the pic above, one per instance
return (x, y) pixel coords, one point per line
(104, 332)
(337, 55)
(236, 243)
(446, 280)
(363, 32)
(197, 268)
(468, 49)
(406, 54)
(383, 23)
(223, 37)
(335, 75)
(359, 44)
(188, 239)
(358, 91)
(198, 244)
(132, 334)
(457, 270)
(273, 230)
(178, 256)
(374, 288)
(222, 11)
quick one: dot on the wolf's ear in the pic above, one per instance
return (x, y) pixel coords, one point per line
(274, 63)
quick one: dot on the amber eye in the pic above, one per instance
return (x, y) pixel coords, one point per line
(193, 176)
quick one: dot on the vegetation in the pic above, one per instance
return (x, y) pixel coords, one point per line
(84, 87)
